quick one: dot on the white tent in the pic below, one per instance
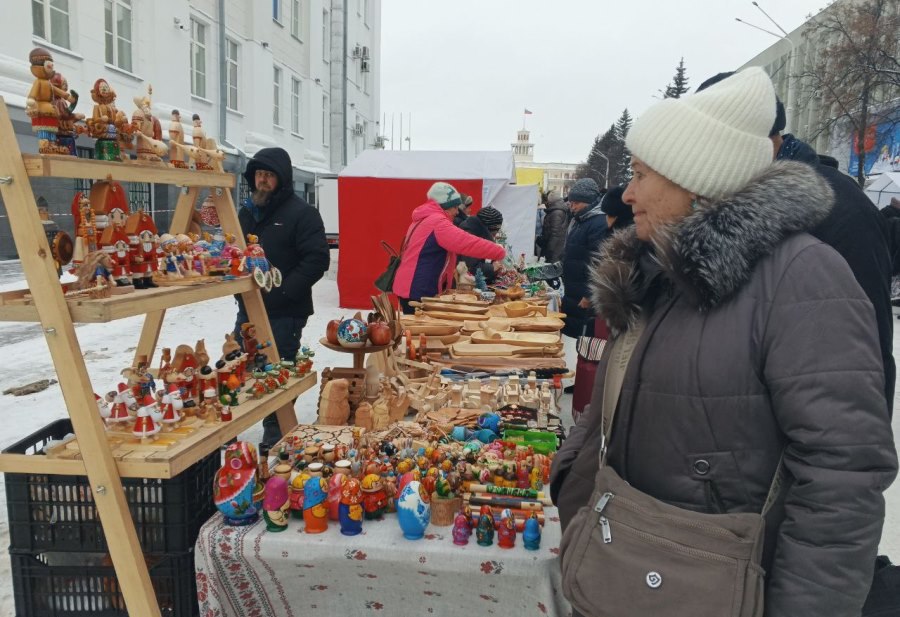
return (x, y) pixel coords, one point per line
(884, 187)
(518, 204)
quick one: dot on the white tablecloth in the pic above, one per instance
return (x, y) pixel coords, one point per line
(249, 572)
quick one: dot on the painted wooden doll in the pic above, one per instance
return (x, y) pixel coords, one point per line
(531, 537)
(315, 510)
(235, 484)
(484, 532)
(276, 504)
(414, 510)
(374, 497)
(462, 529)
(40, 102)
(506, 534)
(350, 512)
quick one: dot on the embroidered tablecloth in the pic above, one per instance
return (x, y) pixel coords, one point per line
(249, 572)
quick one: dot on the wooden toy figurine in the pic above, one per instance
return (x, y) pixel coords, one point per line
(147, 130)
(414, 510)
(296, 496)
(276, 504)
(374, 497)
(531, 537)
(176, 136)
(484, 532)
(106, 123)
(335, 490)
(146, 426)
(65, 107)
(350, 512)
(235, 485)
(315, 510)
(506, 534)
(462, 529)
(40, 104)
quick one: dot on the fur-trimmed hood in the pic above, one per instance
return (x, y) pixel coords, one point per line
(710, 254)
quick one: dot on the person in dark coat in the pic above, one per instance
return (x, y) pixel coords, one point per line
(760, 347)
(292, 234)
(485, 224)
(854, 229)
(554, 228)
(462, 212)
(586, 231)
(618, 213)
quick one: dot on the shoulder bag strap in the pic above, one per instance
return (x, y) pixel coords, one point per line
(622, 349)
(408, 236)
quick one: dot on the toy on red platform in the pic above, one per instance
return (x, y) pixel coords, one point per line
(142, 243)
(40, 105)
(146, 426)
(264, 273)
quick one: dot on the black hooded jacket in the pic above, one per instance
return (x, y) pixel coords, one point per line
(291, 233)
(857, 231)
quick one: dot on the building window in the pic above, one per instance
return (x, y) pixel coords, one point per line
(276, 10)
(243, 191)
(295, 105)
(325, 120)
(231, 74)
(117, 20)
(198, 59)
(50, 21)
(295, 18)
(83, 185)
(140, 197)
(326, 36)
(276, 92)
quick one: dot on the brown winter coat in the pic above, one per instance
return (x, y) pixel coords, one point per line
(758, 339)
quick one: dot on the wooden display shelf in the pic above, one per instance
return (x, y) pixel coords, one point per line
(146, 463)
(61, 166)
(359, 353)
(15, 307)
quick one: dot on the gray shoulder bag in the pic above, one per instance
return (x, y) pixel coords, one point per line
(627, 554)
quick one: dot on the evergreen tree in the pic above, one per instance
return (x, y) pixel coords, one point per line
(619, 156)
(679, 84)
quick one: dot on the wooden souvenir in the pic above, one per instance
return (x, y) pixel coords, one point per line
(147, 130)
(523, 309)
(523, 339)
(334, 406)
(458, 298)
(453, 316)
(176, 137)
(40, 104)
(65, 107)
(430, 305)
(108, 125)
(363, 417)
(461, 350)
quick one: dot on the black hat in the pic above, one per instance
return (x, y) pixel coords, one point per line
(612, 203)
(491, 217)
(585, 190)
(828, 161)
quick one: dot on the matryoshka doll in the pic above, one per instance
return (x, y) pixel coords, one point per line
(350, 512)
(315, 510)
(462, 529)
(506, 534)
(374, 497)
(276, 504)
(234, 484)
(414, 510)
(531, 537)
(297, 494)
(484, 532)
(335, 485)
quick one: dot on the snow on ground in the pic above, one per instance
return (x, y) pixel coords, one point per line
(108, 348)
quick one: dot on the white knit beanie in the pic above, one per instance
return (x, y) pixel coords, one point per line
(445, 195)
(713, 142)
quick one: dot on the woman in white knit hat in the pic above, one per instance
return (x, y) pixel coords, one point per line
(757, 343)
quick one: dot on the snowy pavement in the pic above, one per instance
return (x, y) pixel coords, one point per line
(109, 348)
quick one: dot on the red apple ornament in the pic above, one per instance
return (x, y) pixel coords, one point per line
(331, 331)
(380, 333)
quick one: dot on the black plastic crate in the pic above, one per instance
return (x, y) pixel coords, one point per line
(57, 513)
(56, 584)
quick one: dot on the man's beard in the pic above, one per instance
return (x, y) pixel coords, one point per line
(260, 197)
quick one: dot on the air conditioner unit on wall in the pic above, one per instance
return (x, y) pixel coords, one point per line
(357, 51)
(364, 66)
(358, 129)
(365, 52)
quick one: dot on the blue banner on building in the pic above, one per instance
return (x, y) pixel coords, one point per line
(882, 144)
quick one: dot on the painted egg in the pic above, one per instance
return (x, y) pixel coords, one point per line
(352, 333)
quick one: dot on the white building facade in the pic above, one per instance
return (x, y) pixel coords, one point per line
(553, 176)
(299, 74)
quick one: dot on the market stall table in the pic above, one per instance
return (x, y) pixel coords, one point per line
(248, 571)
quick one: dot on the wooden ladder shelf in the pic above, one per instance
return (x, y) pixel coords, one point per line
(57, 316)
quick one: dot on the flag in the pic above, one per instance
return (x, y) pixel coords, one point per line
(527, 113)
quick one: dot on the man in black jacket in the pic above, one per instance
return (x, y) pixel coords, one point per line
(292, 234)
(486, 224)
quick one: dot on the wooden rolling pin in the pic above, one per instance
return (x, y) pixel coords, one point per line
(502, 502)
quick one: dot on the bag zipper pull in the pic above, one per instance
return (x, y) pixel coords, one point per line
(604, 527)
(601, 503)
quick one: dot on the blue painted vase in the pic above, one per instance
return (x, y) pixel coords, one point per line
(414, 511)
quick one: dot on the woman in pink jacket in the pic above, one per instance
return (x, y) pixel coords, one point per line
(432, 244)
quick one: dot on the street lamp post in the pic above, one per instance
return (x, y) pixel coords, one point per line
(606, 177)
(792, 63)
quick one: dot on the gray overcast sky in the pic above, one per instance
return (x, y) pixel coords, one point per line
(466, 69)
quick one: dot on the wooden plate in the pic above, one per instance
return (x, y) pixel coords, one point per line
(519, 339)
(461, 350)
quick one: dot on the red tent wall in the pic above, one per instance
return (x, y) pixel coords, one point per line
(371, 210)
